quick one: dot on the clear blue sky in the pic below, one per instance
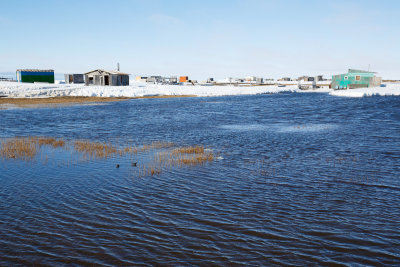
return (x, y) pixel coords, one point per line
(270, 38)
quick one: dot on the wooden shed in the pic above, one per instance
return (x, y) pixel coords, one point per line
(74, 78)
(106, 78)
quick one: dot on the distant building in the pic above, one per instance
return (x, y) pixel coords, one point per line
(106, 78)
(306, 79)
(141, 78)
(33, 76)
(284, 79)
(170, 80)
(154, 79)
(259, 80)
(251, 78)
(74, 78)
(183, 79)
(355, 79)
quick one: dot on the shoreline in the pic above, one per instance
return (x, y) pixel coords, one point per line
(25, 102)
(17, 95)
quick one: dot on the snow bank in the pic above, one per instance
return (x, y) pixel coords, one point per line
(389, 89)
(12, 89)
(137, 89)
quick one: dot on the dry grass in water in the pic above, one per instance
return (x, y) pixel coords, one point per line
(26, 148)
(188, 150)
(95, 150)
(51, 142)
(128, 150)
(149, 170)
(162, 155)
(155, 145)
(192, 155)
(177, 157)
(18, 148)
(196, 159)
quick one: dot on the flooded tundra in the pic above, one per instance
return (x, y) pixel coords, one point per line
(284, 179)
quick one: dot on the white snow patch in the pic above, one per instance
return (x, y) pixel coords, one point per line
(388, 89)
(13, 89)
(137, 89)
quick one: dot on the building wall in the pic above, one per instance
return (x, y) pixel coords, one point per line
(98, 80)
(31, 77)
(113, 79)
(119, 80)
(375, 81)
(74, 78)
(92, 79)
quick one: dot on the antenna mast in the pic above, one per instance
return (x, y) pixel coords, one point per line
(118, 66)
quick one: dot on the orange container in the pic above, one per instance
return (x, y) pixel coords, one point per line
(183, 79)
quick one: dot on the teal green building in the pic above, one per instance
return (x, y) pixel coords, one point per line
(32, 76)
(355, 79)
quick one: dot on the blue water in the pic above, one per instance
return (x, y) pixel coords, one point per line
(300, 179)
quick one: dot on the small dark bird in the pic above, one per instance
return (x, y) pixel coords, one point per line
(134, 164)
(117, 166)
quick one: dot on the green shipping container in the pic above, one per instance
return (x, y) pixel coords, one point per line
(32, 76)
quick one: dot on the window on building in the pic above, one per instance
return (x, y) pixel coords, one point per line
(358, 78)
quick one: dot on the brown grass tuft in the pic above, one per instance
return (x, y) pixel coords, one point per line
(192, 155)
(149, 170)
(156, 145)
(95, 150)
(50, 141)
(163, 155)
(189, 150)
(18, 148)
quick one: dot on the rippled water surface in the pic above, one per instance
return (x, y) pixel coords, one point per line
(304, 179)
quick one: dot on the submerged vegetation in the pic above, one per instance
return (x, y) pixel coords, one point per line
(192, 155)
(19, 148)
(26, 148)
(95, 150)
(155, 157)
(50, 141)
